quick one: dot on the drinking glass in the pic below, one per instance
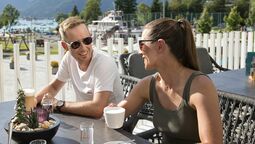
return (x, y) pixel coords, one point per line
(47, 103)
(87, 133)
(38, 141)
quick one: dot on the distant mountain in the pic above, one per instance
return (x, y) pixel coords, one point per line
(50, 8)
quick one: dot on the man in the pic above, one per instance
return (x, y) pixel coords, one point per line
(94, 74)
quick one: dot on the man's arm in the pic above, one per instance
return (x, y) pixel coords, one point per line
(93, 108)
(52, 89)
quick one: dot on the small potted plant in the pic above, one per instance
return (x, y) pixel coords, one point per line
(54, 66)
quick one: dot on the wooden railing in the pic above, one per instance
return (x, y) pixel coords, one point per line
(228, 49)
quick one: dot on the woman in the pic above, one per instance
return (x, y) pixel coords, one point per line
(185, 101)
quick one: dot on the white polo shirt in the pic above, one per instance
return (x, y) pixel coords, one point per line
(101, 75)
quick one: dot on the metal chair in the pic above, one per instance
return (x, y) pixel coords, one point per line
(206, 63)
(146, 112)
(238, 118)
(132, 64)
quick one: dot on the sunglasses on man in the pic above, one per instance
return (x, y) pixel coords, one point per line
(77, 44)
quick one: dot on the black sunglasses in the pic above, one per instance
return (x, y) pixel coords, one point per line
(141, 42)
(77, 44)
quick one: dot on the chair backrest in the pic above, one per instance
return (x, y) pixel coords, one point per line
(136, 66)
(204, 61)
(123, 59)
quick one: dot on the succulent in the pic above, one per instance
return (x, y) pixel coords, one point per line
(20, 107)
(32, 120)
(21, 116)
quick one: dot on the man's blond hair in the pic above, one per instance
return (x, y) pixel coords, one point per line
(69, 23)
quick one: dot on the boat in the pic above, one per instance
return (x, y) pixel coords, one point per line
(112, 25)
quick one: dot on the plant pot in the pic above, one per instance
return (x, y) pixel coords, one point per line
(28, 56)
(54, 70)
(11, 65)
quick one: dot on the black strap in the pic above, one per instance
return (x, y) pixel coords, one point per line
(152, 87)
(186, 91)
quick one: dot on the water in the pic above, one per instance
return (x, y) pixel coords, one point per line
(40, 25)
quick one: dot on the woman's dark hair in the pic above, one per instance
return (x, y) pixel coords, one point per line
(178, 36)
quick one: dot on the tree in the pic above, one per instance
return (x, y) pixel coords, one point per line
(9, 16)
(127, 6)
(91, 11)
(61, 17)
(74, 12)
(156, 6)
(242, 7)
(233, 20)
(176, 6)
(205, 22)
(193, 5)
(216, 5)
(143, 14)
(251, 19)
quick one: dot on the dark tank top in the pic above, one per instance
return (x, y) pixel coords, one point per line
(180, 125)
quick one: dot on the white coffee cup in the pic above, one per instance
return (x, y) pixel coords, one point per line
(114, 117)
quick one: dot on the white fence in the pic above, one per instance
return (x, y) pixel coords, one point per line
(228, 49)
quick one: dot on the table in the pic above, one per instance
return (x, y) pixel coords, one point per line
(234, 82)
(69, 132)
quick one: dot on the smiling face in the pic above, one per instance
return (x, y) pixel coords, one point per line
(83, 53)
(147, 49)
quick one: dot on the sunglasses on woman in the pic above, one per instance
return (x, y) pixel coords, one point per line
(141, 42)
(77, 44)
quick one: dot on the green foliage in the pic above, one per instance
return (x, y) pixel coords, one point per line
(54, 64)
(251, 19)
(156, 6)
(20, 107)
(75, 11)
(61, 17)
(9, 16)
(216, 6)
(233, 20)
(91, 11)
(193, 5)
(32, 120)
(127, 6)
(143, 13)
(176, 6)
(205, 22)
(242, 7)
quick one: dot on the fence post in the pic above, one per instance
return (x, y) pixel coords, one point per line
(16, 66)
(205, 41)
(1, 74)
(61, 53)
(250, 41)
(32, 59)
(130, 44)
(231, 52)
(243, 49)
(109, 46)
(237, 50)
(199, 40)
(120, 46)
(218, 48)
(98, 43)
(212, 45)
(47, 60)
(224, 50)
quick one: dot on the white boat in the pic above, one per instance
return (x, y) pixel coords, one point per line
(112, 25)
